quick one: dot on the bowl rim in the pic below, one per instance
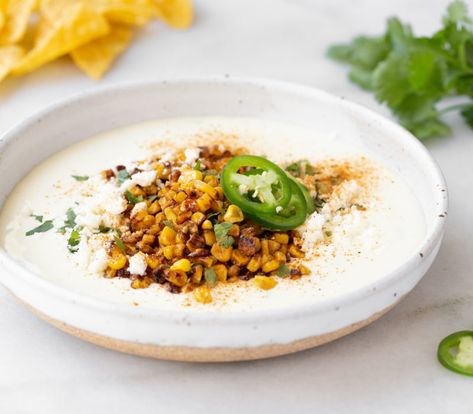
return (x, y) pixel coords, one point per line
(412, 144)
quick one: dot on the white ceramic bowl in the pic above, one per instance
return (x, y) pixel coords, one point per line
(213, 336)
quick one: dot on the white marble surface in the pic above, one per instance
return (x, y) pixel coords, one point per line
(389, 367)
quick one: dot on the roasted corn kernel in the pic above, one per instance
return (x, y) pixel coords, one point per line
(254, 264)
(202, 294)
(239, 258)
(177, 277)
(198, 218)
(141, 283)
(209, 237)
(265, 282)
(183, 265)
(197, 272)
(270, 266)
(281, 238)
(294, 251)
(206, 188)
(207, 225)
(167, 236)
(221, 253)
(117, 261)
(204, 202)
(221, 272)
(233, 214)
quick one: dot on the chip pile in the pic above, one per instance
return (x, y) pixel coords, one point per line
(92, 32)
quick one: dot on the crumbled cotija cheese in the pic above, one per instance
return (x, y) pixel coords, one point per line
(138, 264)
(98, 262)
(192, 155)
(337, 215)
(143, 179)
(103, 202)
(137, 208)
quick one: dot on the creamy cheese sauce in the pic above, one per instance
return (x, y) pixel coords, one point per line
(363, 247)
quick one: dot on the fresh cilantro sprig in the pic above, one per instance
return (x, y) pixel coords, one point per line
(42, 228)
(221, 234)
(301, 168)
(210, 276)
(413, 75)
(122, 176)
(73, 241)
(119, 243)
(133, 199)
(37, 217)
(80, 177)
(283, 271)
(69, 222)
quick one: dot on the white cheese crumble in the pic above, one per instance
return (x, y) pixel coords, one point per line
(99, 261)
(137, 208)
(144, 179)
(192, 155)
(338, 218)
(313, 232)
(102, 203)
(137, 264)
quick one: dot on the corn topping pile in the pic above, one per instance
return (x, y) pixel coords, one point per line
(181, 232)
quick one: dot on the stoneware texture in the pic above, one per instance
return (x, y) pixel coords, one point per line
(330, 317)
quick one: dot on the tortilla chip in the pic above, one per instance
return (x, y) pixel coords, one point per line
(176, 13)
(129, 12)
(9, 57)
(75, 26)
(17, 15)
(2, 18)
(96, 57)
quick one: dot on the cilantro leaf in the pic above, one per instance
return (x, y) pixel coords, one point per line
(70, 221)
(210, 276)
(80, 177)
(133, 199)
(104, 229)
(301, 168)
(198, 166)
(411, 74)
(119, 243)
(221, 234)
(73, 241)
(45, 226)
(467, 114)
(283, 271)
(37, 218)
(205, 173)
(168, 223)
(122, 175)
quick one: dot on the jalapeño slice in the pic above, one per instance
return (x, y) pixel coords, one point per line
(455, 352)
(256, 185)
(287, 218)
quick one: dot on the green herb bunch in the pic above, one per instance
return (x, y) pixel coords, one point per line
(412, 75)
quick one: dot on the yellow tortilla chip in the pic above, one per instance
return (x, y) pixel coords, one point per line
(2, 16)
(129, 12)
(176, 13)
(17, 14)
(96, 57)
(9, 57)
(77, 26)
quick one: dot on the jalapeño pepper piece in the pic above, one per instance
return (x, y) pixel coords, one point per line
(455, 352)
(256, 185)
